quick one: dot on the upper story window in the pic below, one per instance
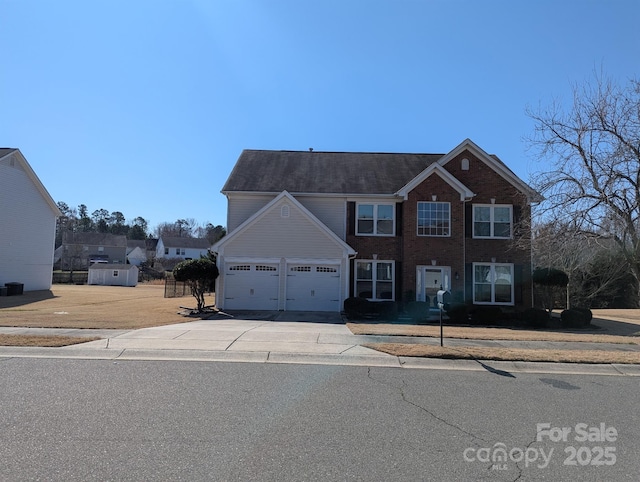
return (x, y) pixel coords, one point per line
(166, 250)
(375, 219)
(434, 219)
(492, 221)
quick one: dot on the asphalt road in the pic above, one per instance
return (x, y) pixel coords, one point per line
(66, 420)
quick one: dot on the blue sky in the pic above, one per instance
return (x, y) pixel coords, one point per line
(144, 106)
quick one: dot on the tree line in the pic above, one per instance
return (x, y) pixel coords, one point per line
(78, 220)
(588, 226)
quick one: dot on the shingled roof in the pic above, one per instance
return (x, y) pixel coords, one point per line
(325, 172)
(191, 243)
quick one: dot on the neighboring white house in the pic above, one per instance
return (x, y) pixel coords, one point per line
(182, 248)
(113, 274)
(28, 220)
(136, 251)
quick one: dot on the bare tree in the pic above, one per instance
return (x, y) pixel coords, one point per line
(595, 148)
(582, 256)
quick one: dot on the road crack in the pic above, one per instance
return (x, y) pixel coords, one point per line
(405, 399)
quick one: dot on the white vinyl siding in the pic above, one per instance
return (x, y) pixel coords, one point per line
(330, 211)
(275, 236)
(242, 207)
(28, 230)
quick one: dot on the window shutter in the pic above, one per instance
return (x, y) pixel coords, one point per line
(351, 218)
(398, 219)
(352, 277)
(468, 282)
(517, 218)
(398, 280)
(518, 281)
(468, 220)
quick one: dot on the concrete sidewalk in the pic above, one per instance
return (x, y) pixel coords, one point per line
(323, 340)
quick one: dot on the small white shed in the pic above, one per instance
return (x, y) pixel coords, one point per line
(113, 274)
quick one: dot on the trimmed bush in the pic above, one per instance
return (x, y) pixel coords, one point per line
(458, 313)
(587, 313)
(417, 310)
(550, 277)
(535, 317)
(386, 310)
(199, 274)
(575, 318)
(356, 307)
(487, 315)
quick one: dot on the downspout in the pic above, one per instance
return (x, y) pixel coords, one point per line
(464, 248)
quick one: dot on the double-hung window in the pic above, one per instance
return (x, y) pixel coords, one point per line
(434, 219)
(375, 280)
(493, 283)
(492, 221)
(375, 220)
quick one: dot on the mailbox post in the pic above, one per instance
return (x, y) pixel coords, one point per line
(443, 298)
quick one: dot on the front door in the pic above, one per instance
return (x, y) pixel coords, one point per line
(431, 279)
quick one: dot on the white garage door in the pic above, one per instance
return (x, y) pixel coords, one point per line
(251, 287)
(313, 288)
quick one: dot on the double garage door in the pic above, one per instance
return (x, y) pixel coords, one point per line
(262, 286)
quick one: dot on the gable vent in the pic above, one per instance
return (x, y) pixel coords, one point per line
(284, 211)
(464, 164)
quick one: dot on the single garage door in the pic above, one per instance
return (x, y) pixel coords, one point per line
(313, 288)
(251, 287)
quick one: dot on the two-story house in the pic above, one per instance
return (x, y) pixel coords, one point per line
(181, 247)
(309, 229)
(81, 250)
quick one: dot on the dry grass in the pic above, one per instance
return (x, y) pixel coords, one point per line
(84, 306)
(508, 354)
(43, 340)
(482, 333)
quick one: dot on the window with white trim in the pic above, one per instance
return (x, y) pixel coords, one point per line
(492, 221)
(493, 283)
(434, 219)
(375, 280)
(116, 272)
(375, 220)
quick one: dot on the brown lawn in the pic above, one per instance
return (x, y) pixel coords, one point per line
(610, 335)
(508, 354)
(85, 306)
(43, 340)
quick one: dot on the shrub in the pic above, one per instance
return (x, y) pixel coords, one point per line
(550, 277)
(356, 307)
(417, 310)
(199, 274)
(576, 318)
(487, 315)
(458, 313)
(386, 310)
(586, 312)
(535, 317)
